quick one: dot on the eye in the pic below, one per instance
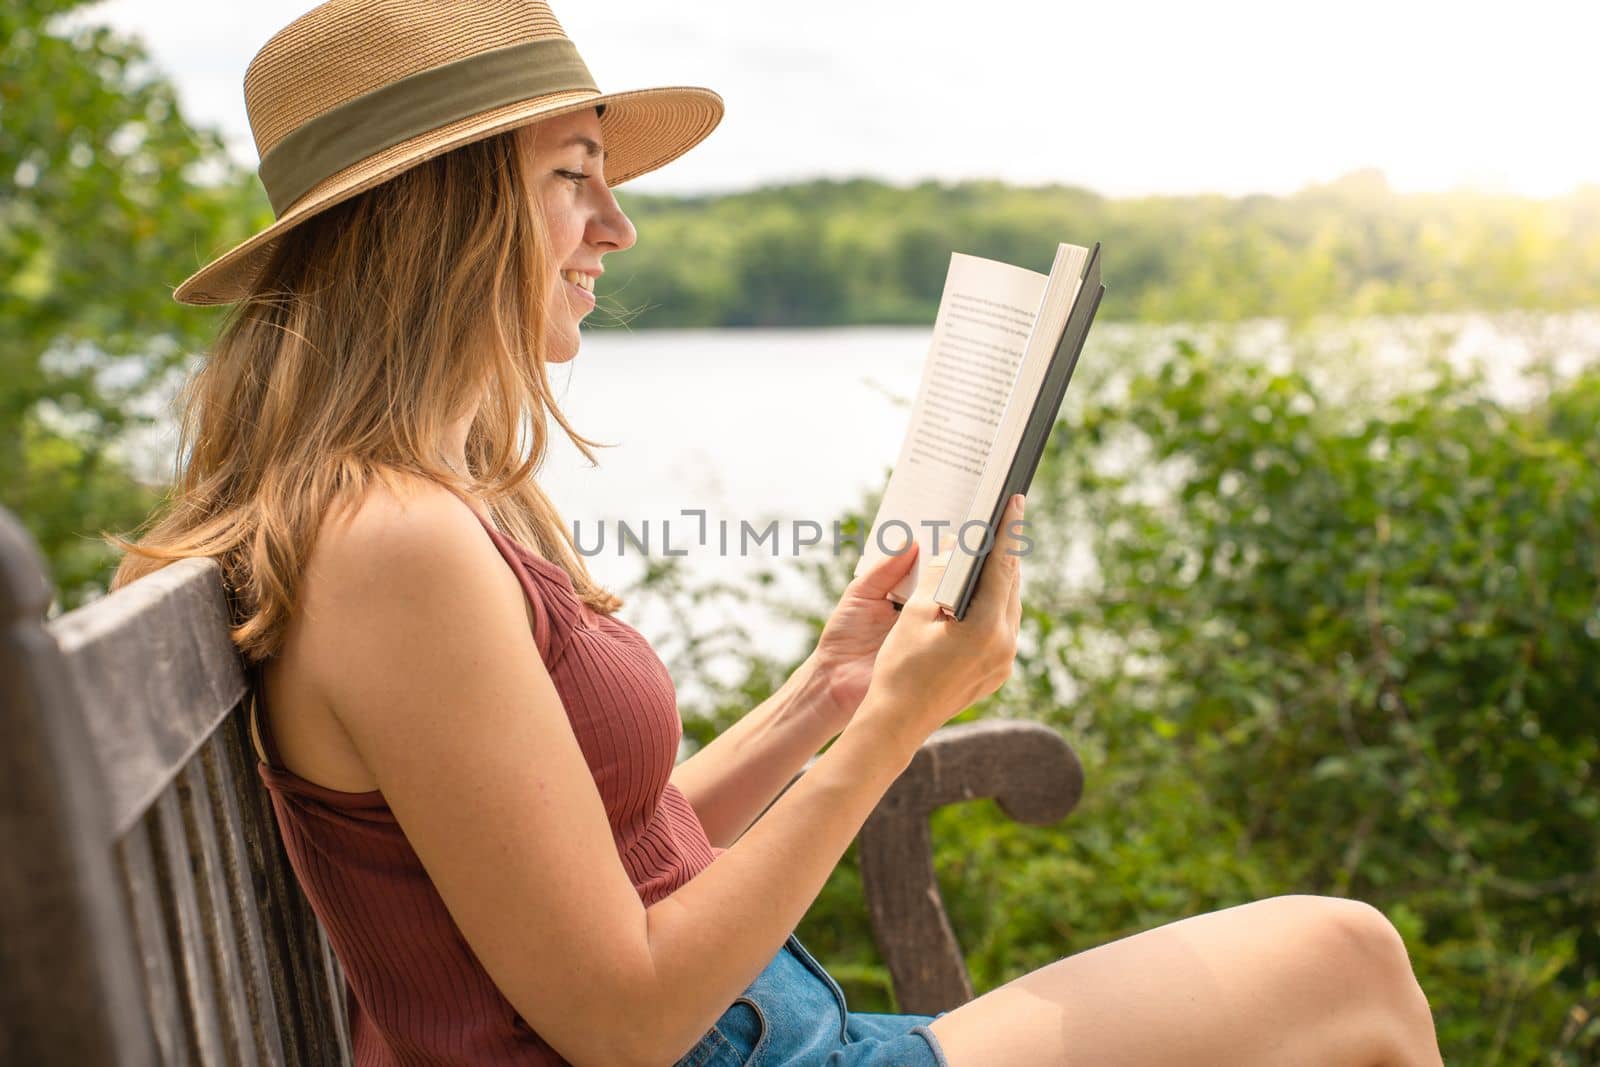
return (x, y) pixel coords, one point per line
(577, 177)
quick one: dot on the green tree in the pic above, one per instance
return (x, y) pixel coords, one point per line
(786, 275)
(862, 251)
(106, 196)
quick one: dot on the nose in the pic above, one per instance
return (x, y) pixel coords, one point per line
(610, 226)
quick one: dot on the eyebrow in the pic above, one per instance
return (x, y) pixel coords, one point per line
(590, 147)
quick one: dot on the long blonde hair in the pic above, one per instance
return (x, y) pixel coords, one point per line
(368, 331)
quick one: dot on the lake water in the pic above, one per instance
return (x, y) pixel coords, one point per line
(748, 425)
(754, 426)
(793, 425)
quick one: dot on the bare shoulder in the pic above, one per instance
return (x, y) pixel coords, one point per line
(391, 571)
(396, 568)
(405, 546)
(412, 521)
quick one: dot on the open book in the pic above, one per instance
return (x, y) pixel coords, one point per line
(1004, 347)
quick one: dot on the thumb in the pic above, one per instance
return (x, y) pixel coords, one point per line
(886, 573)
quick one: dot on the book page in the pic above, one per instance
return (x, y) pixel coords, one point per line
(985, 318)
(1057, 299)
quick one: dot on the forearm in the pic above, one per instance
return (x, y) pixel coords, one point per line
(711, 938)
(733, 779)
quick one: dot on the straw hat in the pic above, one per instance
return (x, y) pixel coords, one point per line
(355, 91)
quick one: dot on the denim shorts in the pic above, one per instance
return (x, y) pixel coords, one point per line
(794, 1015)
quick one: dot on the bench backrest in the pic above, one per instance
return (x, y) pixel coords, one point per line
(148, 913)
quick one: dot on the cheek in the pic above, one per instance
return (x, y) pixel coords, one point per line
(564, 227)
(565, 239)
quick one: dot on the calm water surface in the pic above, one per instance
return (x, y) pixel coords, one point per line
(794, 425)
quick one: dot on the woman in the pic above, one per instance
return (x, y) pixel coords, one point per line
(470, 757)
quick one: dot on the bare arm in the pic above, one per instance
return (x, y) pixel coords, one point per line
(732, 780)
(712, 937)
(419, 641)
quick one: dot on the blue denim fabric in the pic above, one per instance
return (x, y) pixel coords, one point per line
(794, 1015)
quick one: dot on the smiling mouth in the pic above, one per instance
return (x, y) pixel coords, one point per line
(581, 280)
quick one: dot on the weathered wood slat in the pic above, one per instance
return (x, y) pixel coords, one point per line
(225, 788)
(197, 983)
(321, 1005)
(337, 991)
(1036, 778)
(69, 987)
(299, 995)
(154, 672)
(220, 931)
(163, 994)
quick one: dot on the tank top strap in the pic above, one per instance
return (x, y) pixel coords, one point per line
(516, 557)
(260, 723)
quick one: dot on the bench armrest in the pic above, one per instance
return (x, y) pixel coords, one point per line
(1036, 778)
(1034, 775)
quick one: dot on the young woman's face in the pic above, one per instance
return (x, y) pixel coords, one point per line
(581, 215)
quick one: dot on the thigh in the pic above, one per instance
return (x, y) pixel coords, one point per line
(1284, 981)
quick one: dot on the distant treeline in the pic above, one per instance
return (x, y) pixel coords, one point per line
(862, 251)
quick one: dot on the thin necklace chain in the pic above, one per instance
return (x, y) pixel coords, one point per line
(453, 467)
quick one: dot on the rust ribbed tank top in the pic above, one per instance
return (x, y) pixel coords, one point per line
(417, 994)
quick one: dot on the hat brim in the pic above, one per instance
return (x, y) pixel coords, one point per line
(643, 129)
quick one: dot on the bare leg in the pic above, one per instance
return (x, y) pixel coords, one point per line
(1292, 981)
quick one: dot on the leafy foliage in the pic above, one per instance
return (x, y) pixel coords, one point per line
(1368, 638)
(863, 251)
(1331, 647)
(106, 194)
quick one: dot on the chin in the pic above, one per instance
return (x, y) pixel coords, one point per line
(564, 349)
(566, 333)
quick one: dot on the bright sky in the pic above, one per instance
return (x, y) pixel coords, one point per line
(1122, 96)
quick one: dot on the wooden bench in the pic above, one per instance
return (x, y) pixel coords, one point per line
(148, 913)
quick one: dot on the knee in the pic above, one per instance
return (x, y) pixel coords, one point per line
(1356, 931)
(1349, 937)
(1365, 953)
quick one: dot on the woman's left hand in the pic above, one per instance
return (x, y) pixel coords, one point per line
(842, 662)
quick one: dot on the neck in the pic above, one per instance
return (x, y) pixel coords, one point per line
(453, 447)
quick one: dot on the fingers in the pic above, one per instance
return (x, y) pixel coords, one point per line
(1014, 604)
(1002, 569)
(886, 573)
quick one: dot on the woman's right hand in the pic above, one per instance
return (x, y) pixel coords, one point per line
(930, 667)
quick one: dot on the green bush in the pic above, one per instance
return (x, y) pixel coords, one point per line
(1342, 648)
